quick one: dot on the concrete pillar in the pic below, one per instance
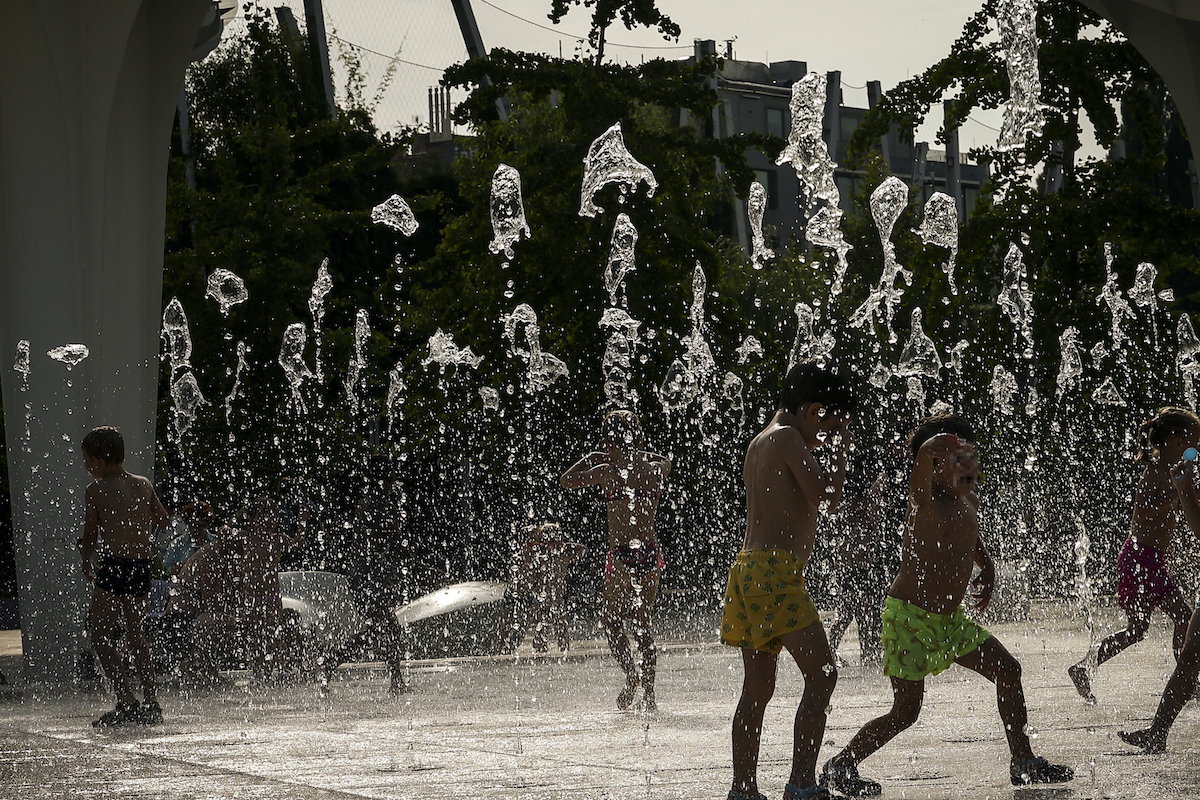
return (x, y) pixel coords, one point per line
(88, 90)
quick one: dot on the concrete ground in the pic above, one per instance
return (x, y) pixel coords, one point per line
(547, 728)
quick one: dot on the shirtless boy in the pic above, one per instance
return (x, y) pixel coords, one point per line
(924, 627)
(767, 606)
(632, 480)
(120, 512)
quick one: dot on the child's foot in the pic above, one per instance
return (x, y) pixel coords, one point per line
(1039, 770)
(1146, 739)
(791, 792)
(843, 776)
(123, 714)
(1083, 681)
(625, 698)
(150, 713)
(738, 794)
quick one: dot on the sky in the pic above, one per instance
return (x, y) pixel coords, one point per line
(881, 40)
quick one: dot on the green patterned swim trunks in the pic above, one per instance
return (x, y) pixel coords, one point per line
(765, 597)
(917, 643)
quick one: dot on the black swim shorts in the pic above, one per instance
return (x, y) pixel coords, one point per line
(129, 577)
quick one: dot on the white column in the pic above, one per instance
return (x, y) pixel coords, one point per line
(87, 95)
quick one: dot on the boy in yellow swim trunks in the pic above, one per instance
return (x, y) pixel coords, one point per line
(767, 607)
(924, 627)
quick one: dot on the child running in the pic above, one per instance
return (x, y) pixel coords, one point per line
(539, 586)
(120, 512)
(632, 479)
(1181, 686)
(924, 627)
(767, 605)
(1143, 582)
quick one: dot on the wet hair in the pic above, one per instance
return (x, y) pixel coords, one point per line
(947, 422)
(622, 425)
(816, 382)
(105, 443)
(1167, 421)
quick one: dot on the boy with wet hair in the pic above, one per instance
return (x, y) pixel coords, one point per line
(767, 608)
(924, 627)
(120, 512)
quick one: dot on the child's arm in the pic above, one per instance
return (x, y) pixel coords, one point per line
(818, 484)
(920, 482)
(662, 462)
(91, 532)
(587, 471)
(158, 512)
(985, 582)
(1183, 476)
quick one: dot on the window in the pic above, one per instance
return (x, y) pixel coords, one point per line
(776, 123)
(770, 181)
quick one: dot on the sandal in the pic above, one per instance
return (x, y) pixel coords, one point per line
(123, 714)
(844, 778)
(735, 794)
(1039, 770)
(1145, 739)
(818, 792)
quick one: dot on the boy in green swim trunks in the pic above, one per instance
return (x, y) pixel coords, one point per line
(924, 627)
(767, 607)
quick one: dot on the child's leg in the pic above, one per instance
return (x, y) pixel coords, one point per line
(1175, 607)
(994, 662)
(1181, 686)
(642, 618)
(103, 615)
(907, 697)
(617, 597)
(841, 622)
(810, 650)
(758, 684)
(1134, 632)
(133, 612)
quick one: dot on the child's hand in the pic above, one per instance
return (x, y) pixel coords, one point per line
(89, 572)
(943, 445)
(1183, 474)
(982, 587)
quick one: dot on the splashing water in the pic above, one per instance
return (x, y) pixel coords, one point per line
(21, 363)
(617, 363)
(733, 397)
(888, 201)
(807, 345)
(688, 376)
(939, 227)
(291, 359)
(321, 287)
(749, 347)
(490, 397)
(358, 361)
(187, 400)
(608, 161)
(178, 335)
(824, 229)
(1015, 299)
(507, 210)
(1023, 115)
(956, 355)
(395, 397)
(1118, 306)
(1186, 357)
(1003, 387)
(395, 214)
(620, 260)
(445, 353)
(806, 148)
(756, 207)
(1107, 394)
(1083, 582)
(237, 382)
(919, 356)
(544, 368)
(227, 289)
(69, 354)
(1071, 367)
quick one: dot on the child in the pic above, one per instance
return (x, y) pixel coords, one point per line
(1143, 582)
(861, 565)
(120, 512)
(1181, 686)
(539, 581)
(767, 607)
(632, 480)
(924, 628)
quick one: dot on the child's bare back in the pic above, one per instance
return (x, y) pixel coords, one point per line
(125, 509)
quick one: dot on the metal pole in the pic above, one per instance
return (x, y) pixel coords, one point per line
(314, 16)
(474, 43)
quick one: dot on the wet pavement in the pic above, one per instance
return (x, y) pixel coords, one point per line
(547, 728)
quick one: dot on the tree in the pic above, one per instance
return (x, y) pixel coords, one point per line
(606, 12)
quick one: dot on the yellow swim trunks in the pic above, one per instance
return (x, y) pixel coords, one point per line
(917, 643)
(765, 597)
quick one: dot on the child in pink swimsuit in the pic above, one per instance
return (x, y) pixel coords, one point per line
(1143, 582)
